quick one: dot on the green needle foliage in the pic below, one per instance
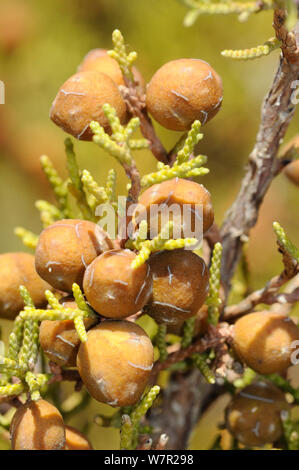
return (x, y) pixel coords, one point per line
(22, 356)
(119, 53)
(81, 185)
(214, 301)
(160, 342)
(200, 361)
(95, 194)
(248, 376)
(131, 422)
(203, 7)
(291, 433)
(58, 312)
(162, 241)
(185, 166)
(120, 143)
(48, 213)
(243, 10)
(111, 187)
(58, 185)
(28, 238)
(254, 52)
(75, 184)
(24, 342)
(285, 243)
(188, 332)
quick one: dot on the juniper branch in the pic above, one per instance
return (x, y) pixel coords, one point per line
(28, 238)
(277, 112)
(270, 293)
(254, 52)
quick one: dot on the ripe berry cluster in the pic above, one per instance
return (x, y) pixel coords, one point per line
(116, 358)
(179, 93)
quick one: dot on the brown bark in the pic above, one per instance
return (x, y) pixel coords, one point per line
(182, 401)
(213, 338)
(277, 112)
(136, 106)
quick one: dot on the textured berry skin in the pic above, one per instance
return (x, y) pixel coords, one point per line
(59, 339)
(99, 61)
(254, 414)
(75, 440)
(37, 426)
(80, 100)
(18, 269)
(66, 248)
(180, 285)
(200, 326)
(180, 192)
(292, 172)
(182, 91)
(263, 340)
(115, 362)
(113, 288)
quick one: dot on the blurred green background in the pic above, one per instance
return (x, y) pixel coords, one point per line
(41, 45)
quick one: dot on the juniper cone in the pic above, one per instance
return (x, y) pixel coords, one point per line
(149, 321)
